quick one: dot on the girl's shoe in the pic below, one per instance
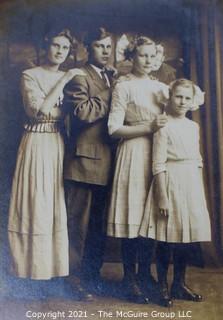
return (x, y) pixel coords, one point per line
(148, 285)
(83, 294)
(133, 293)
(183, 292)
(164, 298)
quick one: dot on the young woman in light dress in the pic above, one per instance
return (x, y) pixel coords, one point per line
(176, 213)
(37, 226)
(135, 114)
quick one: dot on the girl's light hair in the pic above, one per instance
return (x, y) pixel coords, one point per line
(163, 96)
(182, 83)
(198, 98)
(134, 44)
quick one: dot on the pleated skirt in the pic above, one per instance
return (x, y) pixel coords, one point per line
(37, 227)
(130, 186)
(188, 219)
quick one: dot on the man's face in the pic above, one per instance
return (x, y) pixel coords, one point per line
(100, 52)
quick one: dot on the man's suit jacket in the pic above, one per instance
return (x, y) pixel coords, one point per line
(88, 154)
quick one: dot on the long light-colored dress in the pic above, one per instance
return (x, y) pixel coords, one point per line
(134, 101)
(37, 226)
(176, 152)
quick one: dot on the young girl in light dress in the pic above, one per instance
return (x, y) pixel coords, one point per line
(176, 213)
(135, 114)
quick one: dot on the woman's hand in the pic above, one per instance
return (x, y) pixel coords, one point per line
(159, 122)
(163, 204)
(70, 74)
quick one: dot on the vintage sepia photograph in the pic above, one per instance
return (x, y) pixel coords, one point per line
(111, 163)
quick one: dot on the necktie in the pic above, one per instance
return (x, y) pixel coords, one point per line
(104, 78)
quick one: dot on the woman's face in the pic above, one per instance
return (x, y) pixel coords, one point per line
(181, 100)
(58, 50)
(144, 59)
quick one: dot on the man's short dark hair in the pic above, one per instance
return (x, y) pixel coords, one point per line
(95, 35)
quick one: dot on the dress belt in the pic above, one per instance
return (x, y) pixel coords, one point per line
(49, 126)
(182, 161)
(134, 123)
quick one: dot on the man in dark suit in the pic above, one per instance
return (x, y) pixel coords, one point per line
(87, 167)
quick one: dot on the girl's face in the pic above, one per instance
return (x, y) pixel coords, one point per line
(180, 101)
(58, 50)
(144, 59)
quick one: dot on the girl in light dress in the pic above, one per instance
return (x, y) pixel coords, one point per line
(176, 213)
(135, 114)
(37, 226)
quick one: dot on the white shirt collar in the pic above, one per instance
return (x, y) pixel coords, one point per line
(99, 70)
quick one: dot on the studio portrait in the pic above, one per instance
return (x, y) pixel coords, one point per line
(111, 163)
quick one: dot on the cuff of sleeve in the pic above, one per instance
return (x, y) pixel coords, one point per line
(200, 163)
(156, 169)
(112, 129)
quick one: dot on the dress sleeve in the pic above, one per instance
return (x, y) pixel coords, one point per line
(118, 107)
(33, 96)
(199, 157)
(159, 151)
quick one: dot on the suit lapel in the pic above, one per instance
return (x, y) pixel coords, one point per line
(98, 81)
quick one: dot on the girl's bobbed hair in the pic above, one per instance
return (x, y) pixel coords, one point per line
(197, 92)
(164, 95)
(186, 83)
(130, 51)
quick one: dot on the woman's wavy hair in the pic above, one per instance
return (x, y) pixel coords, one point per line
(59, 33)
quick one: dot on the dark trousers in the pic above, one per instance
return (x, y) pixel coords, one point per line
(86, 205)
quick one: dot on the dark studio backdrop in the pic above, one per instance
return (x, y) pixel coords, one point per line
(192, 34)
